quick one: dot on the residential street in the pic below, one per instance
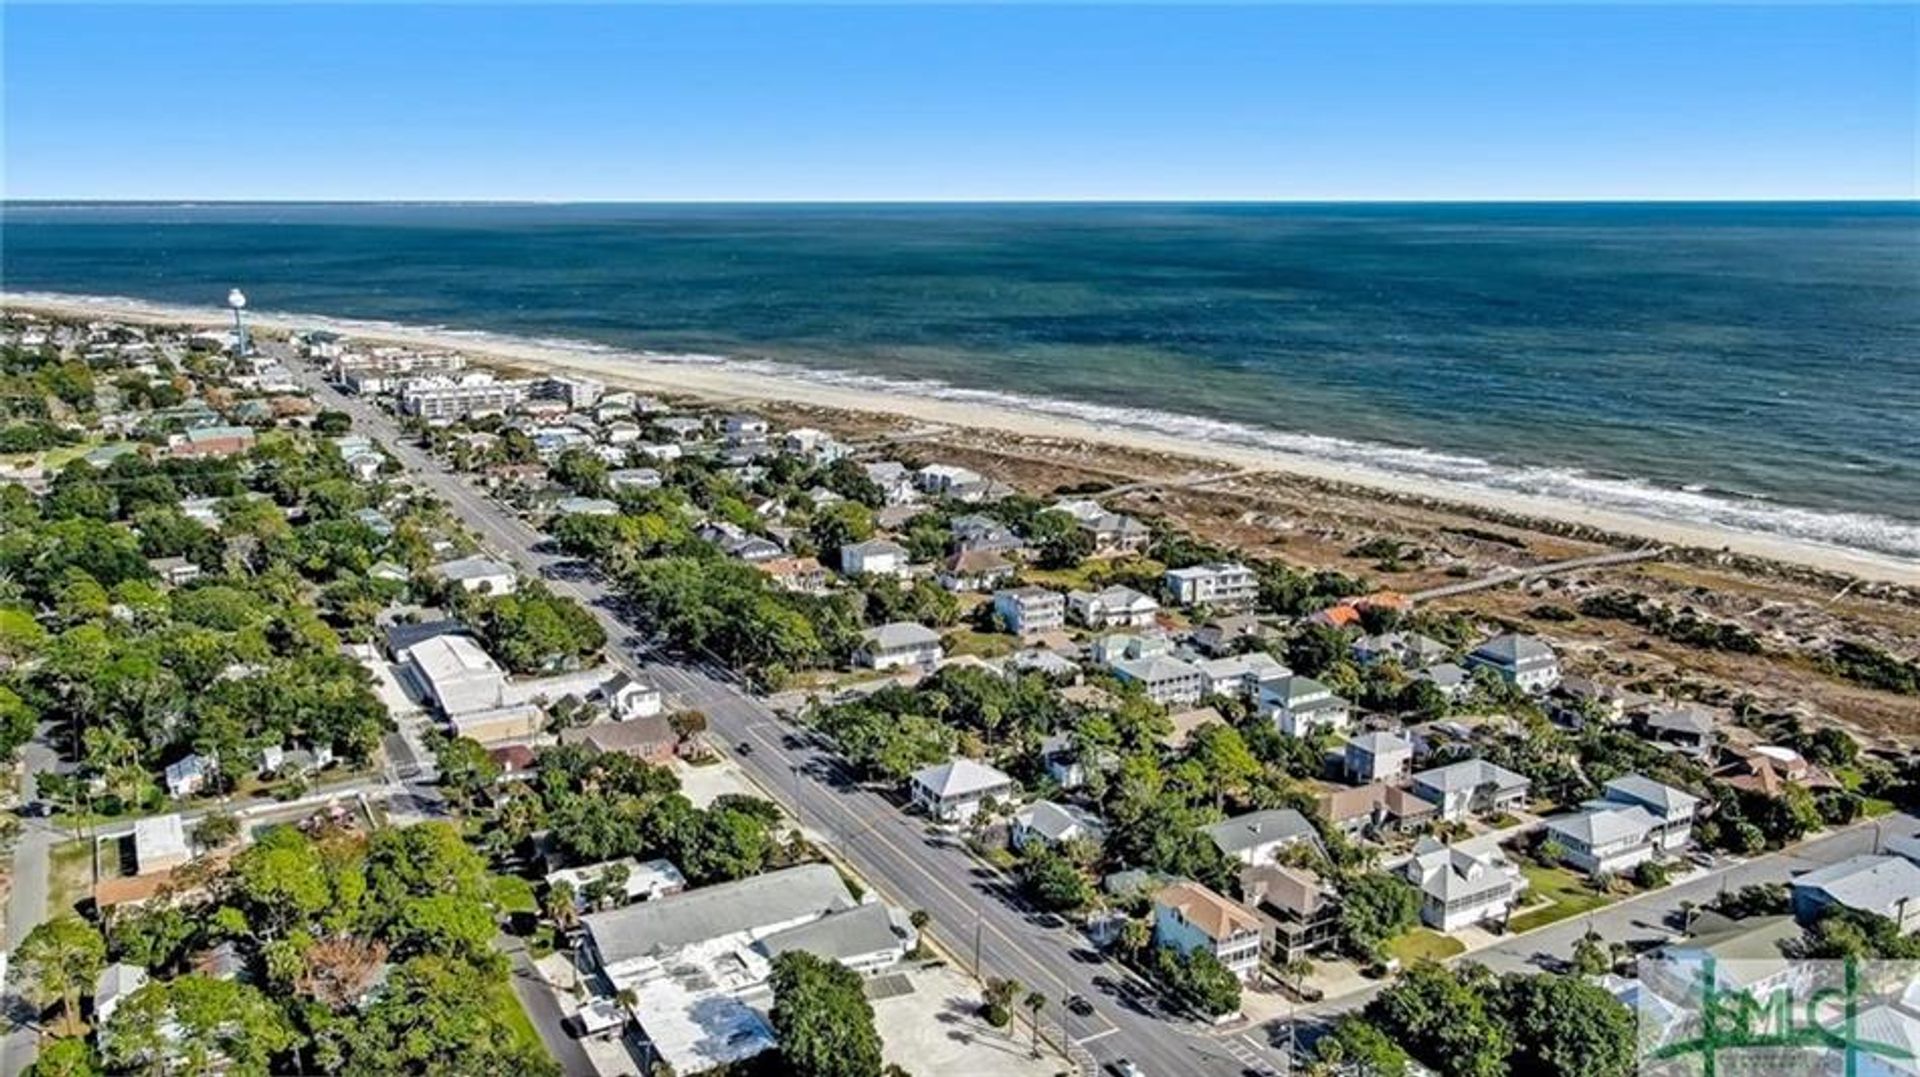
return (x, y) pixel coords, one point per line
(972, 908)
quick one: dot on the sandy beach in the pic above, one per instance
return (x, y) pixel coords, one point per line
(721, 382)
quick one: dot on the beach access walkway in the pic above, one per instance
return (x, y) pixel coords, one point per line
(1502, 577)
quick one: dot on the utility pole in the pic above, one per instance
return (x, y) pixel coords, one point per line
(977, 925)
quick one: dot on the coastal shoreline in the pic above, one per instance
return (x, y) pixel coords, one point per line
(722, 382)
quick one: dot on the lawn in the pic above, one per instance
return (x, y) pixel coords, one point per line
(507, 1006)
(1568, 893)
(983, 644)
(1424, 944)
(70, 873)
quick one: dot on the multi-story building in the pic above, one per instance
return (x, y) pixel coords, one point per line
(1187, 917)
(1472, 787)
(443, 399)
(1459, 888)
(1028, 610)
(1526, 662)
(1167, 681)
(1221, 585)
(1302, 706)
(1113, 607)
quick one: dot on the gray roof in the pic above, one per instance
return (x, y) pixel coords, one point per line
(1601, 825)
(959, 776)
(1291, 689)
(872, 547)
(1379, 744)
(1056, 821)
(473, 568)
(1445, 675)
(1449, 873)
(1515, 650)
(1470, 774)
(899, 635)
(1155, 668)
(1243, 832)
(1640, 789)
(1878, 884)
(710, 912)
(1683, 719)
(842, 935)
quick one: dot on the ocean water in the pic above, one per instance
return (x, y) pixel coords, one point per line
(1753, 366)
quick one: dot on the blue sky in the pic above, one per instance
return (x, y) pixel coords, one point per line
(363, 101)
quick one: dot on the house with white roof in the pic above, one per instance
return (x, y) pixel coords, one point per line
(1472, 787)
(638, 880)
(1673, 810)
(1884, 884)
(1412, 650)
(1605, 839)
(1526, 662)
(1220, 585)
(1113, 533)
(898, 645)
(478, 574)
(1459, 888)
(953, 792)
(113, 986)
(1242, 674)
(1302, 706)
(1112, 607)
(160, 843)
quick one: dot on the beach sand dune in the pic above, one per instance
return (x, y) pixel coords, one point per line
(723, 382)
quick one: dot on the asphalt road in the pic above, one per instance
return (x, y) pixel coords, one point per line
(968, 902)
(975, 909)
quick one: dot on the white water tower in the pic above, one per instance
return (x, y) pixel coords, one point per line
(238, 301)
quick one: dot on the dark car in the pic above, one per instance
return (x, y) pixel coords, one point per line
(1079, 1006)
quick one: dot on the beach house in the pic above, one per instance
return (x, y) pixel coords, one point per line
(1112, 607)
(1030, 610)
(1526, 662)
(1472, 787)
(897, 645)
(1301, 706)
(1187, 917)
(1459, 888)
(1378, 757)
(1219, 585)
(955, 791)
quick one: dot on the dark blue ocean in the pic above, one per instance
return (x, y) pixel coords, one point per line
(1756, 366)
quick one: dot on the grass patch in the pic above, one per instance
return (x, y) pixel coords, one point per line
(508, 1011)
(1568, 895)
(1424, 944)
(69, 875)
(1874, 807)
(982, 644)
(512, 894)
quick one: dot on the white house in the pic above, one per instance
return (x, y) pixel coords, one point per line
(1885, 884)
(875, 557)
(1242, 674)
(1258, 837)
(1474, 786)
(1050, 824)
(1221, 585)
(1378, 757)
(478, 574)
(1301, 706)
(1605, 839)
(1187, 917)
(1459, 888)
(1113, 607)
(953, 792)
(638, 880)
(1167, 681)
(901, 643)
(1029, 610)
(1526, 662)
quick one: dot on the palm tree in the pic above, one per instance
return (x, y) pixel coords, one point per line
(1293, 970)
(560, 906)
(61, 958)
(1136, 936)
(1035, 1003)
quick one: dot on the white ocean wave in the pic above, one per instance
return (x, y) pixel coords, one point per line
(1693, 503)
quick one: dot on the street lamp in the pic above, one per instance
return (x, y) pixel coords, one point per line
(237, 301)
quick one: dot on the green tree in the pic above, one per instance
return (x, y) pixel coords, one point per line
(1230, 766)
(1199, 981)
(66, 1058)
(1053, 882)
(840, 524)
(1590, 956)
(59, 959)
(1358, 1047)
(199, 1024)
(1035, 1002)
(1374, 908)
(821, 1018)
(1564, 1027)
(1445, 1019)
